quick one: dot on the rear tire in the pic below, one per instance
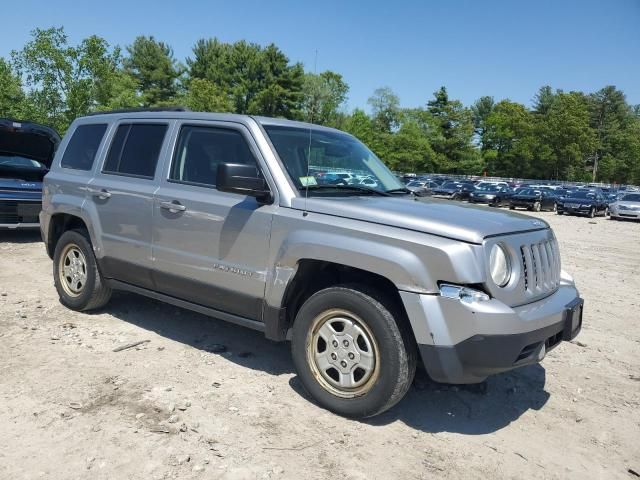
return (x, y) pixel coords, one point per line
(76, 276)
(353, 351)
(511, 207)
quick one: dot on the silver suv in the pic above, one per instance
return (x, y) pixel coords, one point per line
(248, 219)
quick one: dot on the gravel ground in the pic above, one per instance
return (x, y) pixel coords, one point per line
(205, 399)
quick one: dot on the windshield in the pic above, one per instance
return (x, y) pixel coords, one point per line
(14, 161)
(416, 184)
(315, 157)
(529, 191)
(581, 195)
(450, 185)
(631, 197)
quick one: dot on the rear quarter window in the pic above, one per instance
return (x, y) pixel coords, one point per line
(135, 149)
(82, 148)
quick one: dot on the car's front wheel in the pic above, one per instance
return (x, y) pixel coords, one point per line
(592, 212)
(353, 351)
(76, 275)
(536, 206)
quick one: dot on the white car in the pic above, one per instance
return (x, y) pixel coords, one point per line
(628, 206)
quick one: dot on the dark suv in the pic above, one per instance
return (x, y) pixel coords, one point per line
(26, 153)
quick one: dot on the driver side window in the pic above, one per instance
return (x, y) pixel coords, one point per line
(201, 149)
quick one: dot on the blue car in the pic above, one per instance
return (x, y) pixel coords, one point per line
(26, 153)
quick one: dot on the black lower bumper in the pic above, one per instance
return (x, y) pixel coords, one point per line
(474, 359)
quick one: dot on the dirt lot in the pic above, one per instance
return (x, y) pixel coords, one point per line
(204, 399)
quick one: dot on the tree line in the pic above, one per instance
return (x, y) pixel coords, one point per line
(564, 135)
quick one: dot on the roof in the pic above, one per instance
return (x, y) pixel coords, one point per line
(180, 113)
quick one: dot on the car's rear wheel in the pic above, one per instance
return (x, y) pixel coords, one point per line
(76, 276)
(352, 351)
(606, 211)
(555, 207)
(511, 207)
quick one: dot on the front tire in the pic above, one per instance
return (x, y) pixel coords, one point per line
(353, 351)
(537, 206)
(76, 276)
(592, 212)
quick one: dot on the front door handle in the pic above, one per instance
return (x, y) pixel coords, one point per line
(101, 194)
(173, 207)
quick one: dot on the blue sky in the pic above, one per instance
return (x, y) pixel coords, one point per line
(507, 49)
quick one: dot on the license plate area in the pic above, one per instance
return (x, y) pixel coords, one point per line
(573, 319)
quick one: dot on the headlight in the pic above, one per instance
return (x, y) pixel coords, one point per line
(491, 197)
(499, 265)
(585, 205)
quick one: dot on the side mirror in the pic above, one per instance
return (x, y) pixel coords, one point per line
(242, 179)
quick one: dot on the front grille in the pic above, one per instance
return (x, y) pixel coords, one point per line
(18, 212)
(541, 267)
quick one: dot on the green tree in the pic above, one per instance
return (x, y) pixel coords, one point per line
(410, 151)
(205, 96)
(543, 100)
(510, 140)
(12, 97)
(385, 106)
(616, 127)
(454, 124)
(63, 81)
(566, 138)
(157, 73)
(259, 80)
(481, 109)
(323, 95)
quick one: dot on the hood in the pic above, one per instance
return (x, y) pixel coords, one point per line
(18, 185)
(627, 204)
(525, 197)
(29, 140)
(463, 222)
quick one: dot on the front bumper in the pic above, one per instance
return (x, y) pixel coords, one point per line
(482, 199)
(521, 203)
(573, 210)
(19, 213)
(466, 342)
(629, 214)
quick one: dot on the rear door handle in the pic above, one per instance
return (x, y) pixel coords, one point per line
(173, 207)
(101, 194)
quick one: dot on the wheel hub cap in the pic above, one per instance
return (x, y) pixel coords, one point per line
(342, 354)
(73, 270)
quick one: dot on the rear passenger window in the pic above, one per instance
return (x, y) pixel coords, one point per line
(135, 149)
(82, 148)
(201, 149)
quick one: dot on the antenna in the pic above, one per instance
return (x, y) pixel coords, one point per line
(306, 190)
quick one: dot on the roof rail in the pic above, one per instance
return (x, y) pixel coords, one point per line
(141, 109)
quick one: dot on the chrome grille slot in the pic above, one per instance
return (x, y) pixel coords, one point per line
(540, 267)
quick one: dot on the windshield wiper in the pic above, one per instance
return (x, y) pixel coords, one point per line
(355, 188)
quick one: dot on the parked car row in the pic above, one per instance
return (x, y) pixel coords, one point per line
(587, 201)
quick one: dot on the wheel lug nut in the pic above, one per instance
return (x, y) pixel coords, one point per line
(345, 343)
(335, 343)
(344, 364)
(351, 356)
(334, 356)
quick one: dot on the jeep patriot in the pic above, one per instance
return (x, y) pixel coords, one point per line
(270, 224)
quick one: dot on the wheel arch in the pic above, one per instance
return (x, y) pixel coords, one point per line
(61, 222)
